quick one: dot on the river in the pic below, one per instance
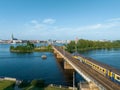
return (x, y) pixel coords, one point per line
(29, 66)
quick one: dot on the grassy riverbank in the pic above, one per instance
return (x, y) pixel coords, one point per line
(7, 85)
(43, 49)
(40, 85)
(45, 88)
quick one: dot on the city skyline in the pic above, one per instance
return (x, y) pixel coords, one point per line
(60, 19)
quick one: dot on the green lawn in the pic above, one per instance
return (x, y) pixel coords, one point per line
(55, 88)
(6, 85)
(46, 88)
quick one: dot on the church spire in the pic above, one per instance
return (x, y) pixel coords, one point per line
(12, 37)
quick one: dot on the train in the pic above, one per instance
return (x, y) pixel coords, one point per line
(103, 69)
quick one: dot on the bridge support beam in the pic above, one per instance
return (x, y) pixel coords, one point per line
(67, 65)
(58, 56)
(54, 52)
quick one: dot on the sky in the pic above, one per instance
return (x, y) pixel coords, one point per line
(60, 19)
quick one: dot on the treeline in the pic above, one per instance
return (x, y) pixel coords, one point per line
(83, 45)
(29, 47)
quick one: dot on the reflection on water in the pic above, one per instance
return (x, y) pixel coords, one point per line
(28, 66)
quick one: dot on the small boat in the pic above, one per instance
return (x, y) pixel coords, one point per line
(43, 56)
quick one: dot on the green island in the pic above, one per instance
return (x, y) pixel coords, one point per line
(84, 45)
(29, 48)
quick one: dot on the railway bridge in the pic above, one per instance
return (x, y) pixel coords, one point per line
(89, 74)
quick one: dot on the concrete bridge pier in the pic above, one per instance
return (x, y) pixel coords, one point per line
(58, 56)
(67, 65)
(55, 53)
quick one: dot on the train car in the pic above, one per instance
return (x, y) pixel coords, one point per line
(117, 78)
(104, 69)
(110, 74)
(75, 57)
(94, 65)
(114, 75)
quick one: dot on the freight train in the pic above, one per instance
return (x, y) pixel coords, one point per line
(103, 69)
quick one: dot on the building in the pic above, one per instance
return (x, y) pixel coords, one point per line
(15, 40)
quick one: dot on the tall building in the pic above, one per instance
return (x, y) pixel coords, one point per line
(12, 38)
(15, 40)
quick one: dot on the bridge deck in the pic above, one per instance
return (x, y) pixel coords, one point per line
(94, 75)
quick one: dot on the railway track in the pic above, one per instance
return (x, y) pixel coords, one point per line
(93, 74)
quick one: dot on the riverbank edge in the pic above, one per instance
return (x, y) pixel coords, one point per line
(35, 50)
(88, 49)
(47, 86)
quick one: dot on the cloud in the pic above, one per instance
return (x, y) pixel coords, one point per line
(111, 24)
(49, 21)
(44, 28)
(114, 19)
(38, 28)
(34, 21)
(100, 26)
(37, 25)
(90, 27)
(34, 25)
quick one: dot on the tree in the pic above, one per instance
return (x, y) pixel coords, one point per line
(38, 83)
(11, 47)
(88, 45)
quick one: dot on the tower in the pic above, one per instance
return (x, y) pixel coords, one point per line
(12, 37)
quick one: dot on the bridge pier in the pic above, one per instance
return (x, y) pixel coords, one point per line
(67, 65)
(55, 52)
(58, 56)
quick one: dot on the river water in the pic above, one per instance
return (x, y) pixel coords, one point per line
(107, 56)
(30, 66)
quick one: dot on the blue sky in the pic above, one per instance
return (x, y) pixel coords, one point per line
(60, 19)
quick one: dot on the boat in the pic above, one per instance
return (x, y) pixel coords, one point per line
(43, 56)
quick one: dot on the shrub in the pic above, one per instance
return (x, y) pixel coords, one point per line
(38, 83)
